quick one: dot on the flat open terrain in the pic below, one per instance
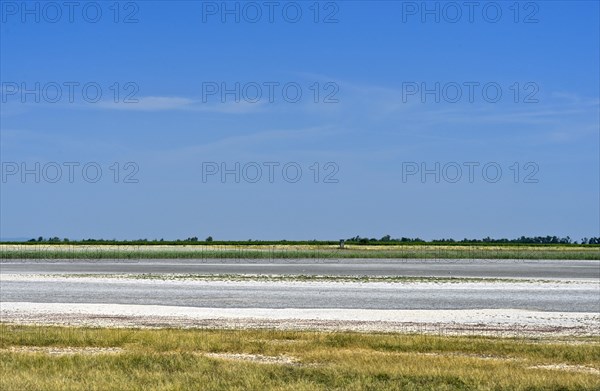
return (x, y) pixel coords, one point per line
(478, 268)
(296, 251)
(193, 291)
(460, 296)
(50, 358)
(304, 324)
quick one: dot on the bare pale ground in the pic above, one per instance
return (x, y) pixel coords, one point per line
(568, 368)
(63, 351)
(465, 321)
(504, 322)
(256, 358)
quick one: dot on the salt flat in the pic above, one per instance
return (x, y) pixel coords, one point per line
(508, 307)
(505, 322)
(507, 300)
(477, 268)
(533, 295)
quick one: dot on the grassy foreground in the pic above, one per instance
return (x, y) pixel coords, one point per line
(296, 251)
(54, 358)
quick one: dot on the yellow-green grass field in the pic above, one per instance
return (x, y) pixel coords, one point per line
(203, 251)
(55, 358)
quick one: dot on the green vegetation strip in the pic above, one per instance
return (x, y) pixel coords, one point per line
(79, 251)
(55, 358)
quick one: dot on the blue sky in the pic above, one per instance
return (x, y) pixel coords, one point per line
(367, 62)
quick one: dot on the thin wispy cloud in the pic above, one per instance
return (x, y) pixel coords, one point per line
(171, 103)
(142, 104)
(255, 140)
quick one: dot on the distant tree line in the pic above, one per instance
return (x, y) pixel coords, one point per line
(66, 240)
(387, 239)
(522, 240)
